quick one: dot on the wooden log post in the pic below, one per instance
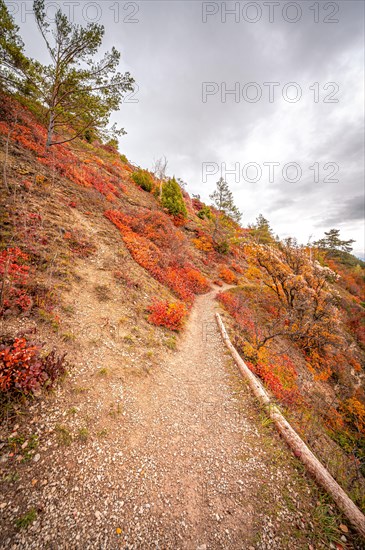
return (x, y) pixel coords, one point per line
(296, 444)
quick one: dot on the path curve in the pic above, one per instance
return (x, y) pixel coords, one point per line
(189, 465)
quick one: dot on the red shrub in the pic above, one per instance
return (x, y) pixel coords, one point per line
(156, 246)
(196, 281)
(105, 178)
(14, 275)
(237, 267)
(280, 377)
(236, 306)
(167, 314)
(175, 279)
(24, 370)
(179, 221)
(197, 204)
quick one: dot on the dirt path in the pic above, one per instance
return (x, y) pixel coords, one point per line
(188, 464)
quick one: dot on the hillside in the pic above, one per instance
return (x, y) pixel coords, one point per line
(115, 386)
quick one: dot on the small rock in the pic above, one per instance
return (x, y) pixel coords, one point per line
(344, 528)
(37, 457)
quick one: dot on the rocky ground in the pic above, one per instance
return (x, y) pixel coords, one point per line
(176, 458)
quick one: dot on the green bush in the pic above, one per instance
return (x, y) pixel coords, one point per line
(143, 179)
(222, 247)
(205, 212)
(123, 158)
(172, 199)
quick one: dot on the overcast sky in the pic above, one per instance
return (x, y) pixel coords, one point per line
(184, 56)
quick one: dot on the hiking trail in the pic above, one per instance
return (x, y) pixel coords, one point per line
(186, 461)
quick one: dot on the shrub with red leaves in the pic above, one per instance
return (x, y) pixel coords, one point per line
(92, 172)
(167, 314)
(14, 275)
(24, 370)
(196, 281)
(280, 377)
(156, 246)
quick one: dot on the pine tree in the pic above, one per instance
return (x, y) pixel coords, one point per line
(262, 231)
(78, 92)
(333, 243)
(222, 199)
(13, 62)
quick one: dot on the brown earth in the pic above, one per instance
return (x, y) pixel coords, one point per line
(173, 454)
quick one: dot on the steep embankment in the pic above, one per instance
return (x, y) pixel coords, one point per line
(152, 436)
(177, 459)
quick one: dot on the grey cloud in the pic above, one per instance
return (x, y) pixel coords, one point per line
(350, 210)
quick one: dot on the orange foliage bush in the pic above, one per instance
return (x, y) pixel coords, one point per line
(167, 314)
(333, 419)
(227, 275)
(278, 374)
(204, 243)
(354, 412)
(237, 307)
(351, 278)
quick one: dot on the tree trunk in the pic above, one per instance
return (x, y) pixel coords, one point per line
(7, 144)
(5, 174)
(50, 129)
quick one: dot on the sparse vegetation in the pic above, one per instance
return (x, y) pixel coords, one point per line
(103, 371)
(102, 292)
(27, 519)
(170, 343)
(83, 435)
(64, 436)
